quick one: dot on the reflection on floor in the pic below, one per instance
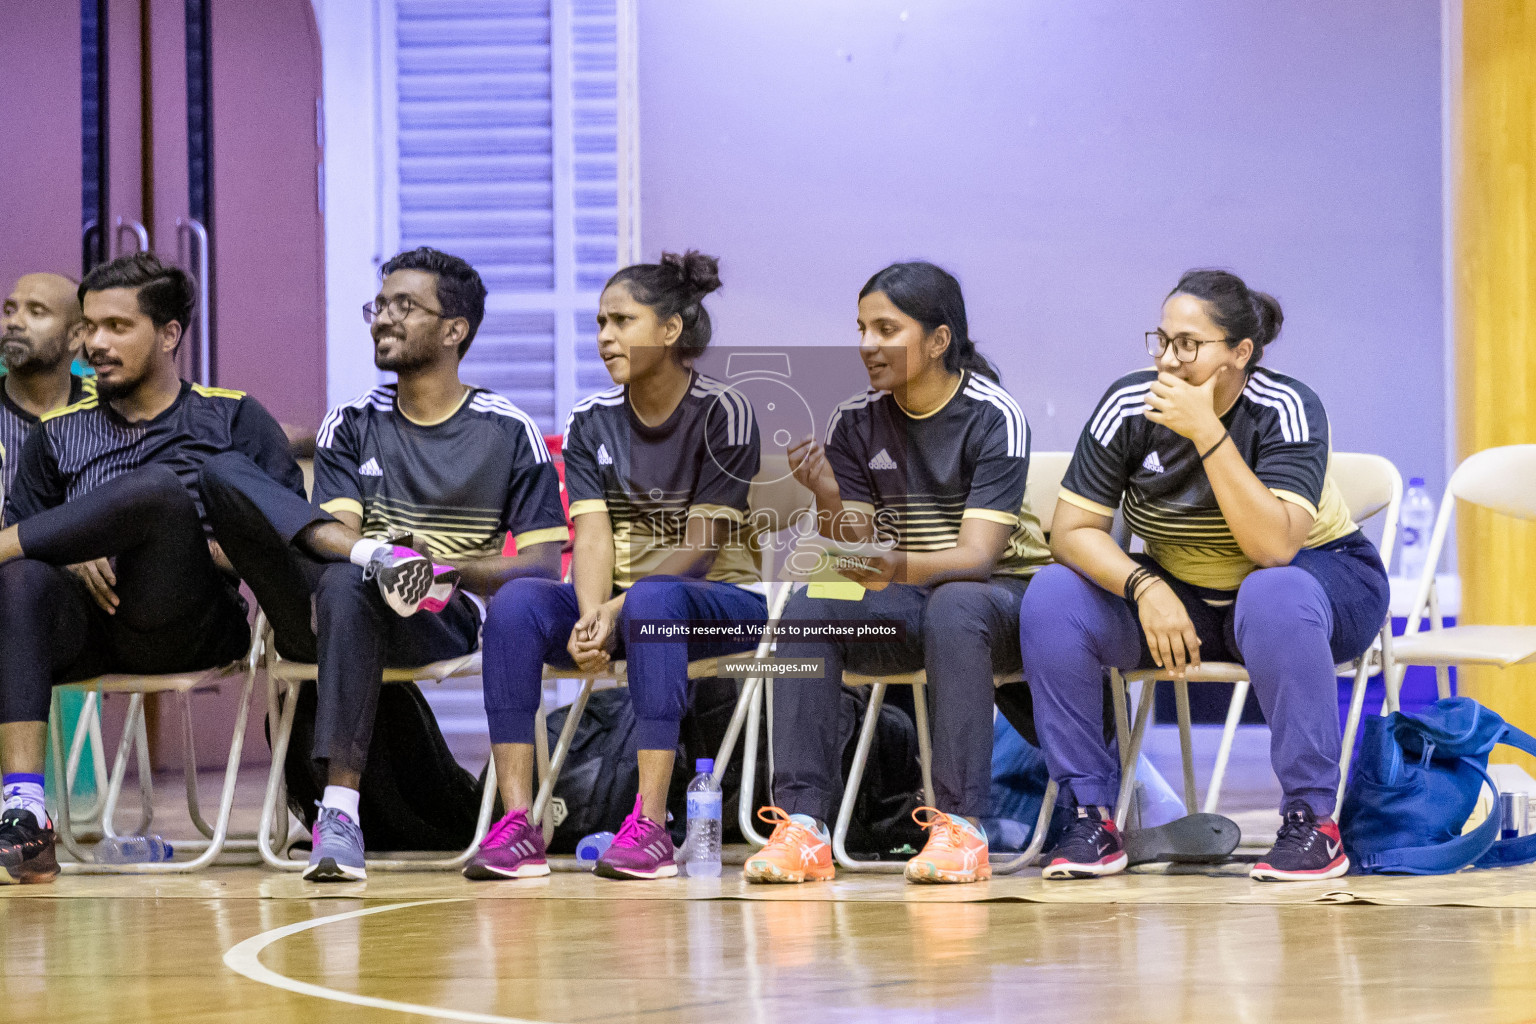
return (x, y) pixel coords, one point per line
(243, 944)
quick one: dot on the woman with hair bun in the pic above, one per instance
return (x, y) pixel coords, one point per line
(1221, 467)
(657, 470)
(932, 459)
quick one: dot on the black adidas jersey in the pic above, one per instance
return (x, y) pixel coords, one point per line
(1279, 427)
(16, 423)
(460, 485)
(919, 477)
(81, 446)
(649, 480)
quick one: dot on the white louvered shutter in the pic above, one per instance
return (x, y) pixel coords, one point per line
(509, 156)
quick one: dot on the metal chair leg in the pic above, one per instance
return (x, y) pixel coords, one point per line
(1351, 727)
(1186, 740)
(1224, 752)
(216, 843)
(562, 748)
(120, 766)
(746, 799)
(189, 766)
(541, 762)
(851, 791)
(924, 739)
(1031, 853)
(287, 704)
(1138, 731)
(62, 812)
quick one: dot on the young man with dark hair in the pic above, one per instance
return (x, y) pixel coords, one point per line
(453, 466)
(106, 564)
(39, 339)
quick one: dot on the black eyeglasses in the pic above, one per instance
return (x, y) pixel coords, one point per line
(397, 308)
(1185, 349)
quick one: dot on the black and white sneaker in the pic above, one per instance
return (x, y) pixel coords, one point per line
(403, 575)
(1304, 850)
(26, 849)
(1090, 847)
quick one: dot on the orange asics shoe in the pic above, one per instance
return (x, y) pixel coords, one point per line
(956, 850)
(798, 851)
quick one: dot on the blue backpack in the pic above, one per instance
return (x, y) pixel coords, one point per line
(1415, 784)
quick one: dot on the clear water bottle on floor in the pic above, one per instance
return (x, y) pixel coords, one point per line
(704, 811)
(592, 847)
(133, 850)
(1418, 518)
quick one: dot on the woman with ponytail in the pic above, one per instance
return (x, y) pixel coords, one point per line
(1221, 467)
(932, 461)
(657, 469)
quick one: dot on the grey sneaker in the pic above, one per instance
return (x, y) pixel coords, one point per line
(337, 855)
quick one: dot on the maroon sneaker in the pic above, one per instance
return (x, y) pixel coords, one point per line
(642, 849)
(513, 848)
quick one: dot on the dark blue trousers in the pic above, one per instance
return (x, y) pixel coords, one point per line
(961, 633)
(1290, 626)
(529, 623)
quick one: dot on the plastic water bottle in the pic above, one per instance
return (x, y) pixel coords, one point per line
(133, 850)
(1418, 523)
(592, 847)
(704, 810)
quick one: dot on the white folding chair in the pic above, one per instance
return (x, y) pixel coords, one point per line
(776, 501)
(1502, 480)
(1370, 485)
(284, 681)
(1046, 470)
(216, 838)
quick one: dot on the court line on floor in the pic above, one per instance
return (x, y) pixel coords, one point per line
(244, 958)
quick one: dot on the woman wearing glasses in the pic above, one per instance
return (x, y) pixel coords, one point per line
(1221, 467)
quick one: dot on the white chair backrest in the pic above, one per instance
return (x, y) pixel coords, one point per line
(1046, 470)
(1371, 485)
(1502, 479)
(775, 489)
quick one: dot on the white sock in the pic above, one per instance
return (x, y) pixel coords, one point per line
(342, 799)
(26, 792)
(364, 549)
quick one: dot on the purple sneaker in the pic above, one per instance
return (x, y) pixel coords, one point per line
(642, 849)
(512, 849)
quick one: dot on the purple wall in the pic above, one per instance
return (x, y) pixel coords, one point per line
(1067, 161)
(39, 133)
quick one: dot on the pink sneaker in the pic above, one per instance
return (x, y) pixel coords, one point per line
(642, 849)
(445, 581)
(513, 848)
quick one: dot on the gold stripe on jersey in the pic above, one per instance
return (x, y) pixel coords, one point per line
(927, 524)
(1086, 504)
(88, 402)
(451, 532)
(343, 505)
(581, 508)
(212, 392)
(551, 535)
(991, 516)
(1199, 548)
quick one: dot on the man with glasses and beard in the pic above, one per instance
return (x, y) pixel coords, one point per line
(426, 464)
(40, 322)
(107, 487)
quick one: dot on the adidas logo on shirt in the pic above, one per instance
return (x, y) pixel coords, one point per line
(1152, 463)
(882, 460)
(370, 468)
(603, 458)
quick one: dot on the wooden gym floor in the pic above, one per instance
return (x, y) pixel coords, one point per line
(243, 944)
